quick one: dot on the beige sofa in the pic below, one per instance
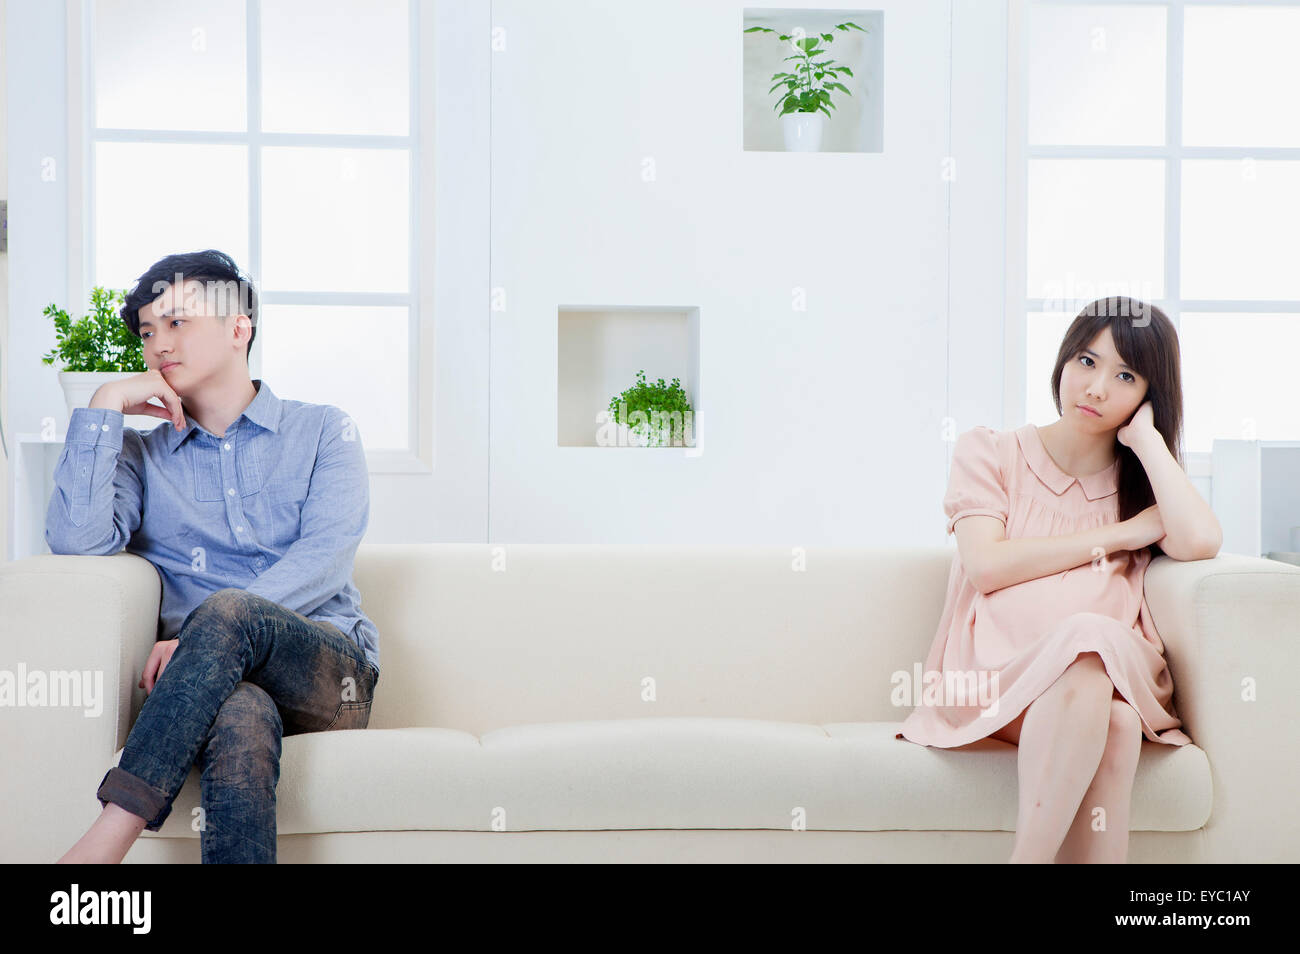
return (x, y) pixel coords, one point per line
(667, 703)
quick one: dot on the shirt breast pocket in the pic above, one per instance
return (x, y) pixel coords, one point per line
(284, 501)
(208, 482)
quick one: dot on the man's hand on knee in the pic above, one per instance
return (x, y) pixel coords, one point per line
(159, 656)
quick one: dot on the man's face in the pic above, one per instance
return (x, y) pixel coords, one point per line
(185, 338)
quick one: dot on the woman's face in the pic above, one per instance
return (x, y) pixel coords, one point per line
(1097, 377)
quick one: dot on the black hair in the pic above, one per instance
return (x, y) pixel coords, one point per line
(210, 265)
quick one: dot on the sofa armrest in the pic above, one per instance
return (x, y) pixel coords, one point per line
(83, 628)
(1231, 631)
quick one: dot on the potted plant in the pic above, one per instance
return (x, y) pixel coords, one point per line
(807, 90)
(95, 349)
(653, 415)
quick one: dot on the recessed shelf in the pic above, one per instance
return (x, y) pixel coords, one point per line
(601, 348)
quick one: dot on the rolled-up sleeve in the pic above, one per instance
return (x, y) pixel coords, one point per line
(318, 565)
(976, 484)
(98, 485)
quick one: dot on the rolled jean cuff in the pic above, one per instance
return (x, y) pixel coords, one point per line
(135, 796)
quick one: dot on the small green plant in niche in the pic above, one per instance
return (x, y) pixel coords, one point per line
(656, 415)
(808, 89)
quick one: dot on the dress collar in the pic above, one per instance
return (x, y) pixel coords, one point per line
(1094, 486)
(263, 410)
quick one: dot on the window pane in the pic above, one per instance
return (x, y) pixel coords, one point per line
(155, 199)
(1240, 76)
(1096, 228)
(1044, 333)
(354, 357)
(1239, 229)
(1239, 378)
(1097, 75)
(336, 67)
(177, 64)
(335, 219)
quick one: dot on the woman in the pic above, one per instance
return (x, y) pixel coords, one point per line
(1055, 528)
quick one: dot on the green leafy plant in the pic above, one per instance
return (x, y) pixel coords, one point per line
(807, 89)
(658, 405)
(99, 341)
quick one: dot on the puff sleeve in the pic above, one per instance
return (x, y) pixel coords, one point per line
(976, 484)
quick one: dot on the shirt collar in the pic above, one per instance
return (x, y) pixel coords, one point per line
(263, 410)
(1058, 481)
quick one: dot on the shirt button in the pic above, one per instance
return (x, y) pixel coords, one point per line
(104, 426)
(239, 529)
(231, 491)
(227, 447)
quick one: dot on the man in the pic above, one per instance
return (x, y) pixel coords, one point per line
(251, 509)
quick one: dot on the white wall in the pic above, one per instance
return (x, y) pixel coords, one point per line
(823, 426)
(37, 172)
(4, 263)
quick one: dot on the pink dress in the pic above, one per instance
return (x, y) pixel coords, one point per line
(997, 653)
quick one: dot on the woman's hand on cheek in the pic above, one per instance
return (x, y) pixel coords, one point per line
(1141, 423)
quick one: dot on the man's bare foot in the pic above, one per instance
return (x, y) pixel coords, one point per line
(108, 840)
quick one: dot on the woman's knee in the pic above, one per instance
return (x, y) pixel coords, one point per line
(1125, 723)
(1090, 659)
(1123, 741)
(1086, 677)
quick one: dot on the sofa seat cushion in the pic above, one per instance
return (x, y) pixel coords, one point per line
(674, 772)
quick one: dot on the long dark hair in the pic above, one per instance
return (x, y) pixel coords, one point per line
(1147, 342)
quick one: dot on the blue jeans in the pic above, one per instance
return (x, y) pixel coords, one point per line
(245, 672)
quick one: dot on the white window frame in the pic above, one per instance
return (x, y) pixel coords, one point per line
(83, 135)
(1173, 152)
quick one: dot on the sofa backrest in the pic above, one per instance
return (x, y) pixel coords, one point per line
(480, 636)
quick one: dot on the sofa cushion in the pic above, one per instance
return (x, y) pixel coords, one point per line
(479, 638)
(674, 772)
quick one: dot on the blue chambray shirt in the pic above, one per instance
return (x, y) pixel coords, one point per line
(276, 507)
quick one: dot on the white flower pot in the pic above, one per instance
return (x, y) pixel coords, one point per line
(643, 435)
(80, 386)
(803, 131)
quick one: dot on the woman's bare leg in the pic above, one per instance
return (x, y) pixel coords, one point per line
(1061, 742)
(108, 840)
(1112, 791)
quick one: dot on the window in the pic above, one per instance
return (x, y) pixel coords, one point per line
(1160, 155)
(283, 132)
